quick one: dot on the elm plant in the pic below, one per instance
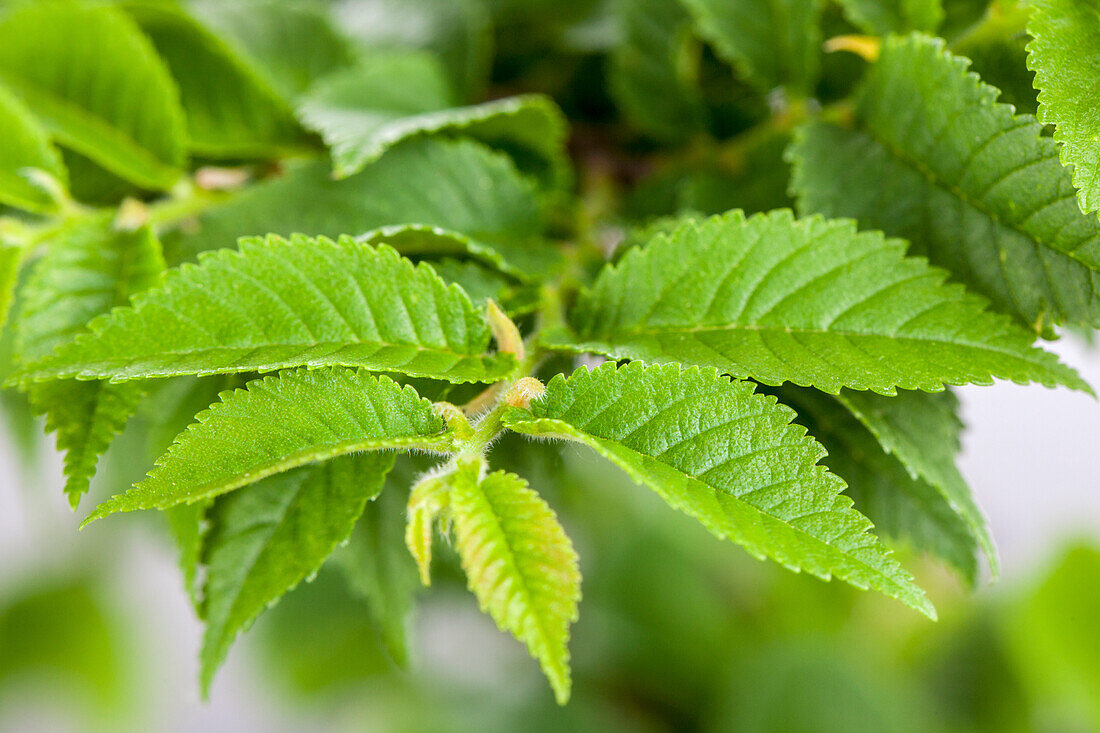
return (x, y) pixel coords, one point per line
(309, 222)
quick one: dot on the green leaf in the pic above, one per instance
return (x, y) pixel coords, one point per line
(290, 45)
(754, 180)
(923, 432)
(654, 70)
(26, 153)
(901, 505)
(419, 240)
(84, 274)
(278, 423)
(519, 563)
(378, 567)
(459, 32)
(188, 526)
(717, 451)
(771, 43)
(97, 85)
(11, 258)
(997, 49)
(976, 189)
(807, 301)
(501, 211)
(881, 17)
(167, 411)
(268, 538)
(1065, 55)
(363, 110)
(483, 285)
(960, 16)
(231, 110)
(278, 303)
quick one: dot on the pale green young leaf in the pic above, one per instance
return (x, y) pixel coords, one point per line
(85, 274)
(124, 111)
(291, 45)
(231, 110)
(26, 152)
(378, 567)
(902, 506)
(772, 43)
(807, 301)
(363, 110)
(923, 432)
(427, 500)
(654, 74)
(881, 17)
(1065, 55)
(933, 158)
(266, 539)
(717, 451)
(474, 191)
(418, 541)
(281, 422)
(519, 563)
(278, 303)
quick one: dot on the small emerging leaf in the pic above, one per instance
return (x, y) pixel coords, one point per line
(519, 563)
(426, 501)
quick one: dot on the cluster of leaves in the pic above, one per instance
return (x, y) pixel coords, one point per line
(327, 238)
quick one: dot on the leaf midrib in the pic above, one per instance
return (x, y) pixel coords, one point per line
(545, 638)
(634, 333)
(41, 372)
